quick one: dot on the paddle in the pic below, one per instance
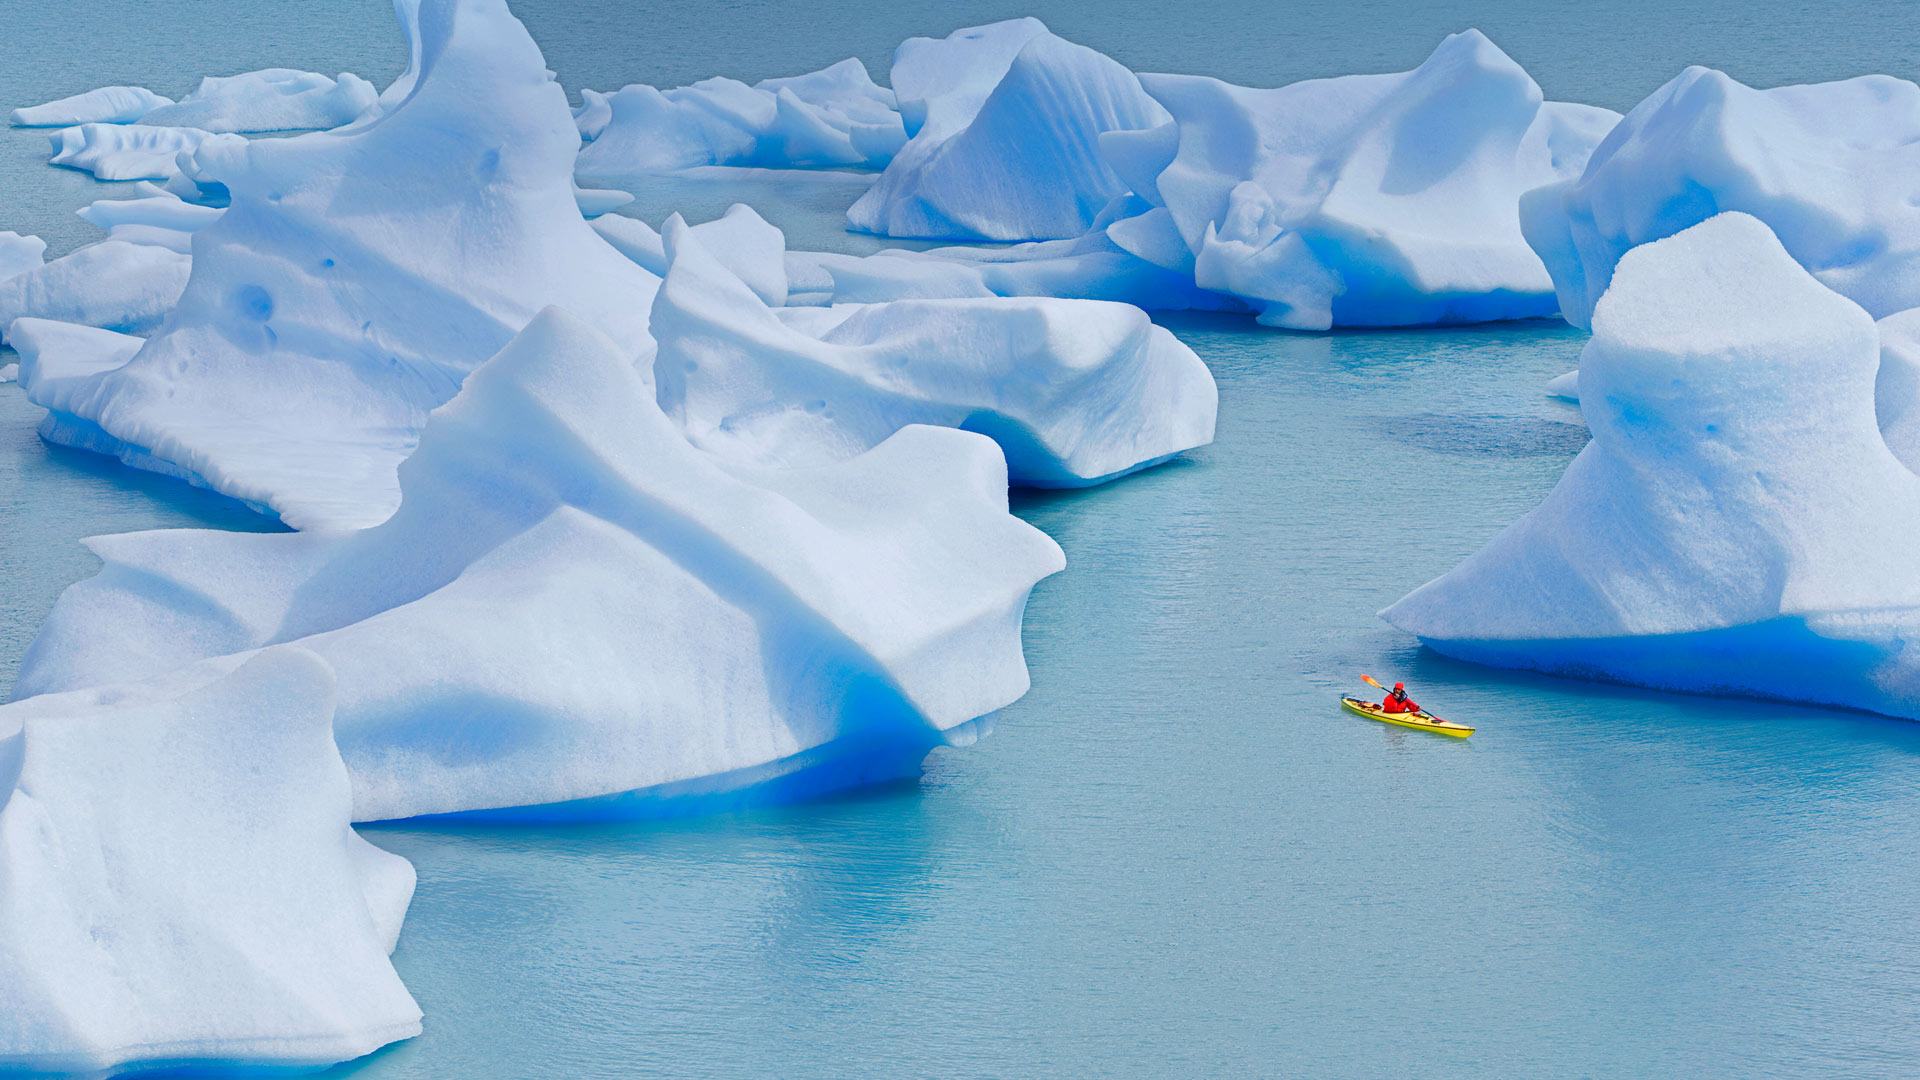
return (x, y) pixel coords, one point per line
(1368, 679)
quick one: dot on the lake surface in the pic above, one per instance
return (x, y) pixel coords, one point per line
(1176, 856)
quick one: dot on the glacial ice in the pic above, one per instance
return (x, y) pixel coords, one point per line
(1832, 168)
(835, 117)
(121, 152)
(1022, 164)
(276, 99)
(107, 105)
(19, 254)
(115, 284)
(1075, 392)
(1737, 525)
(1896, 388)
(1366, 200)
(355, 279)
(179, 884)
(574, 603)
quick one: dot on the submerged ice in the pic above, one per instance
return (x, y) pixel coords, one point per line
(1738, 522)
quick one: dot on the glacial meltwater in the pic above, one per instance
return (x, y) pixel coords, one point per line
(1176, 856)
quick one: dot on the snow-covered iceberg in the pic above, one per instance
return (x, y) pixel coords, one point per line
(116, 284)
(1006, 123)
(835, 117)
(107, 105)
(179, 886)
(1896, 389)
(276, 99)
(1076, 392)
(356, 278)
(1833, 169)
(573, 603)
(19, 254)
(1737, 525)
(1365, 200)
(120, 152)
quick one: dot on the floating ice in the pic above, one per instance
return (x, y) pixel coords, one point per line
(1565, 387)
(1075, 392)
(834, 117)
(1737, 524)
(356, 278)
(1367, 200)
(107, 105)
(178, 882)
(592, 115)
(9, 372)
(574, 603)
(1833, 169)
(276, 99)
(19, 254)
(1019, 161)
(115, 284)
(118, 152)
(154, 216)
(1896, 388)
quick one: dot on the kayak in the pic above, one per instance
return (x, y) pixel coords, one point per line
(1423, 721)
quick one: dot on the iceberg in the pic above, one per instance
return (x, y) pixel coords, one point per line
(1738, 525)
(833, 118)
(115, 284)
(575, 613)
(355, 280)
(154, 216)
(1896, 388)
(117, 152)
(1075, 392)
(1366, 200)
(179, 885)
(276, 99)
(19, 254)
(1833, 169)
(1007, 145)
(107, 105)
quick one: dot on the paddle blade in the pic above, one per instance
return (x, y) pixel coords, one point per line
(1368, 679)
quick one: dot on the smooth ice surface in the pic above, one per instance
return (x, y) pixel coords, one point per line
(115, 284)
(833, 118)
(276, 99)
(1833, 169)
(19, 254)
(803, 630)
(1736, 523)
(179, 883)
(355, 280)
(1896, 388)
(1076, 392)
(120, 152)
(107, 105)
(1024, 162)
(1367, 200)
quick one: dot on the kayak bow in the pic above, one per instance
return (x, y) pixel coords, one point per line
(1420, 721)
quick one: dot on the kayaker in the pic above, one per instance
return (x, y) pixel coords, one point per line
(1398, 701)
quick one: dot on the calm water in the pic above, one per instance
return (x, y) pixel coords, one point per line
(1176, 856)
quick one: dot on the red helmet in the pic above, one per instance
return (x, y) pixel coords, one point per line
(1399, 686)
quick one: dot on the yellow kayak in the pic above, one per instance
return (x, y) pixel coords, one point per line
(1422, 721)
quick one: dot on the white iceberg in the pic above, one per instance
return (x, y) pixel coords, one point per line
(1020, 162)
(592, 114)
(1366, 200)
(107, 105)
(750, 248)
(575, 613)
(1075, 392)
(179, 886)
(1833, 169)
(19, 254)
(119, 152)
(276, 99)
(1737, 525)
(831, 118)
(154, 216)
(354, 281)
(1896, 389)
(115, 284)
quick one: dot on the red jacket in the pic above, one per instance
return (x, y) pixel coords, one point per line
(1398, 705)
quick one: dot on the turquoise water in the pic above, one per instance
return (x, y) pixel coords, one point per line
(1176, 856)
